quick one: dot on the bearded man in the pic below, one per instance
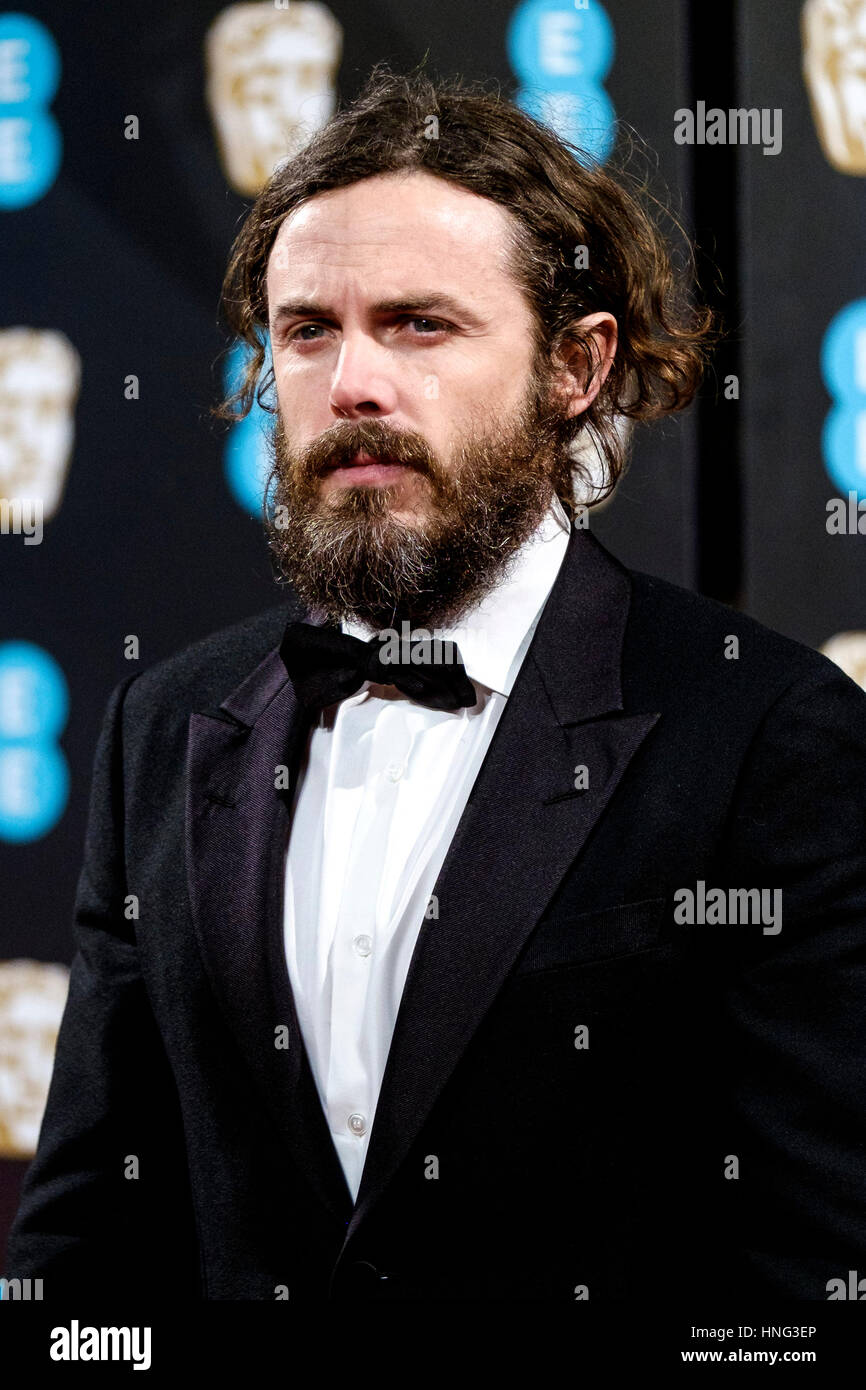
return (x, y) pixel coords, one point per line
(500, 912)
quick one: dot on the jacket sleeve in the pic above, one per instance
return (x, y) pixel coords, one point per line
(105, 1206)
(794, 1009)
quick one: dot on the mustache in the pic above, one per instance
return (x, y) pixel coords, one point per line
(338, 446)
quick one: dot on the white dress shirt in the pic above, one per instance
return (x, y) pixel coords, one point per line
(380, 793)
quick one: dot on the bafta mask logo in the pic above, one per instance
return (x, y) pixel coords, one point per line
(271, 84)
(40, 374)
(32, 997)
(834, 65)
(848, 650)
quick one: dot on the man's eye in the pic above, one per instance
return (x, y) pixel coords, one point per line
(437, 325)
(303, 328)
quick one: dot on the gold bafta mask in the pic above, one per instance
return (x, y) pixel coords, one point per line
(271, 84)
(848, 650)
(32, 997)
(834, 65)
(40, 373)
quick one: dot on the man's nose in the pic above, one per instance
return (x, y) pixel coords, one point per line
(363, 381)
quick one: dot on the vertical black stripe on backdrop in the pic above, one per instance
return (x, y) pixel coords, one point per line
(719, 516)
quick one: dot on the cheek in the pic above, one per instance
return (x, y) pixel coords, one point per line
(290, 375)
(482, 410)
(485, 397)
(303, 402)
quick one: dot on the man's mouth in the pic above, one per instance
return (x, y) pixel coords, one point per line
(364, 468)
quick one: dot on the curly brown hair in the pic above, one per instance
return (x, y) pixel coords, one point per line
(559, 198)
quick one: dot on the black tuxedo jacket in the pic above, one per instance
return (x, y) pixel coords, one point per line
(585, 1096)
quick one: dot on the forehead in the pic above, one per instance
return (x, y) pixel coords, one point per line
(407, 221)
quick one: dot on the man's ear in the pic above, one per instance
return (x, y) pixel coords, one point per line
(598, 332)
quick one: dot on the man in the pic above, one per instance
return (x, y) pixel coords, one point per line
(485, 920)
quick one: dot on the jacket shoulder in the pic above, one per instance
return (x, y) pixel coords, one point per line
(204, 673)
(700, 646)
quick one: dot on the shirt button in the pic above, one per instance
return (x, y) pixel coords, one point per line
(357, 1123)
(394, 771)
(363, 945)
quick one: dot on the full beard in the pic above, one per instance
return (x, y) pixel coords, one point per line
(347, 556)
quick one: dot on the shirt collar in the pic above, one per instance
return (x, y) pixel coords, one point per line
(493, 637)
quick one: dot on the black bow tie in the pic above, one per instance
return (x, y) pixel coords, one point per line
(327, 665)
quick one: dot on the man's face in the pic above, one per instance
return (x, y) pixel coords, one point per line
(413, 442)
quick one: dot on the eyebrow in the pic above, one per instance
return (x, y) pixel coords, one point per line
(420, 304)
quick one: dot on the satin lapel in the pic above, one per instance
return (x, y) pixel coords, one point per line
(522, 828)
(237, 825)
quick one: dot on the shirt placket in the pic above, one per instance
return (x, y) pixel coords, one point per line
(355, 1014)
